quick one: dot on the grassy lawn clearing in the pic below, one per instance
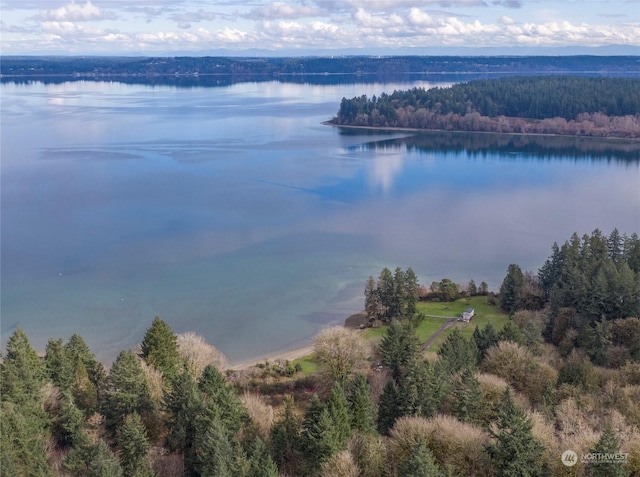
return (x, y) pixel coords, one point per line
(485, 314)
(308, 364)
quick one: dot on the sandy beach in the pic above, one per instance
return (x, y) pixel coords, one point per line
(289, 355)
(353, 322)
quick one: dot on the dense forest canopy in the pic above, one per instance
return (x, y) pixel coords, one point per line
(561, 372)
(539, 104)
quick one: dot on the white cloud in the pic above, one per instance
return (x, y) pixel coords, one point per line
(505, 20)
(163, 25)
(418, 17)
(74, 12)
(277, 10)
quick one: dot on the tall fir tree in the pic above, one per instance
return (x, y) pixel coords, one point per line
(457, 353)
(338, 409)
(127, 391)
(285, 438)
(389, 408)
(468, 405)
(420, 463)
(103, 462)
(78, 350)
(160, 348)
(485, 339)
(417, 394)
(22, 371)
(221, 399)
(515, 453)
(260, 462)
(183, 404)
(607, 444)
(363, 409)
(398, 347)
(134, 448)
(58, 364)
(22, 440)
(511, 289)
(214, 452)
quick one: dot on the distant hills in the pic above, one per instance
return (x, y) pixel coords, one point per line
(388, 66)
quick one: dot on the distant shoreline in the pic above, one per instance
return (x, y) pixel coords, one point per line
(494, 133)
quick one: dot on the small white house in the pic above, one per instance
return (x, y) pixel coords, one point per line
(468, 314)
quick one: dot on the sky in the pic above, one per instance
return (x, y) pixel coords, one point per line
(291, 27)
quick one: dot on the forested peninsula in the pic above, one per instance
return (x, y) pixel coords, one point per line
(562, 105)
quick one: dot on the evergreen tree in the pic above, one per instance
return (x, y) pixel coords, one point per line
(516, 453)
(472, 288)
(418, 394)
(58, 364)
(160, 348)
(362, 408)
(412, 292)
(338, 408)
(78, 350)
(214, 453)
(607, 444)
(22, 440)
(126, 391)
(22, 372)
(399, 296)
(83, 390)
(260, 462)
(322, 439)
(420, 463)
(183, 404)
(134, 447)
(511, 289)
(386, 292)
(285, 437)
(372, 303)
(68, 423)
(77, 460)
(457, 353)
(398, 347)
(468, 405)
(221, 399)
(485, 339)
(511, 332)
(615, 246)
(103, 462)
(389, 407)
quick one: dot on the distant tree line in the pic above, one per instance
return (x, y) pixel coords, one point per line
(88, 67)
(542, 104)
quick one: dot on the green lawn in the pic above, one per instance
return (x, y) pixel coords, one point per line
(485, 314)
(308, 363)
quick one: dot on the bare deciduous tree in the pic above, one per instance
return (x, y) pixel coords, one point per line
(341, 351)
(197, 353)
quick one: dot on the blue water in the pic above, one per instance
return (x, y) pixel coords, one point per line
(235, 213)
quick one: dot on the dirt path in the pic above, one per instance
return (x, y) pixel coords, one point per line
(450, 321)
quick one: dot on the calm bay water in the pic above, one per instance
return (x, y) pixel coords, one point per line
(235, 213)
